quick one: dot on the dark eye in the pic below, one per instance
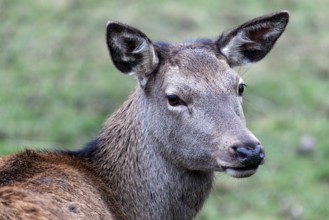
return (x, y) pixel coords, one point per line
(241, 88)
(174, 100)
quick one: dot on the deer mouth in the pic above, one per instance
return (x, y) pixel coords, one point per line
(240, 172)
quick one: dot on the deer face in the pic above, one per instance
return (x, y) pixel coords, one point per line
(198, 102)
(192, 96)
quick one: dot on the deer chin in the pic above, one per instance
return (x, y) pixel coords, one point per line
(239, 172)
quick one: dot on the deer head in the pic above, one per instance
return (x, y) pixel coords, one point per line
(191, 98)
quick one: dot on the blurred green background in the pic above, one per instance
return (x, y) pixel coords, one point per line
(57, 86)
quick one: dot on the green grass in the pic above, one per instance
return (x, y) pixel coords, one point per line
(58, 85)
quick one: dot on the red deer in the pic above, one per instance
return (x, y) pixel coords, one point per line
(156, 156)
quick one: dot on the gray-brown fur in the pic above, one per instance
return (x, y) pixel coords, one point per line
(42, 185)
(155, 157)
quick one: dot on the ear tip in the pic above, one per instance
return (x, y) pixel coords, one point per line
(284, 14)
(280, 16)
(114, 25)
(111, 23)
(108, 23)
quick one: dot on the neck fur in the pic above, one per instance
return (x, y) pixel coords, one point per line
(148, 186)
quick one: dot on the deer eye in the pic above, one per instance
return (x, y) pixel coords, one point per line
(241, 88)
(174, 100)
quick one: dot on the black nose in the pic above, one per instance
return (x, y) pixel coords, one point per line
(250, 155)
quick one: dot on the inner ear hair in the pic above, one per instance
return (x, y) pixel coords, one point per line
(251, 41)
(132, 52)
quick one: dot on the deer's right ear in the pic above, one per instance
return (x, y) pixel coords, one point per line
(132, 52)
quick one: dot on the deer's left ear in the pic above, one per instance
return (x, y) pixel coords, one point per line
(132, 52)
(251, 41)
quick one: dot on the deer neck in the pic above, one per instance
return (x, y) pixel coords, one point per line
(149, 187)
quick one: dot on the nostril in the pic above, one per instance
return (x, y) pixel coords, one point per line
(250, 156)
(242, 152)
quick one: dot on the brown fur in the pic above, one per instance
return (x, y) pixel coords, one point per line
(42, 185)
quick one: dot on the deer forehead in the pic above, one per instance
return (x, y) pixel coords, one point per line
(199, 70)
